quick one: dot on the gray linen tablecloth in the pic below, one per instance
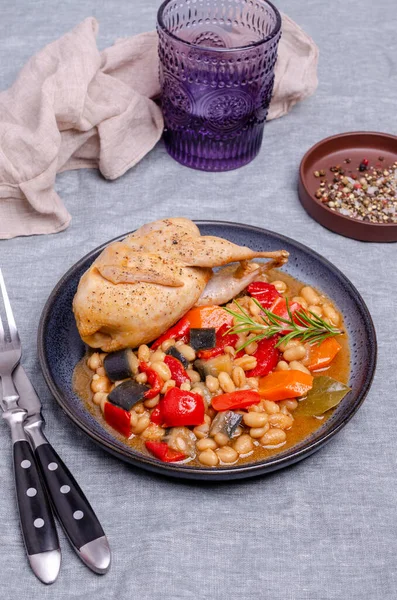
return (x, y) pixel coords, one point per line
(325, 529)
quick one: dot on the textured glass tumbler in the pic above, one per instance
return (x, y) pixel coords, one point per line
(217, 62)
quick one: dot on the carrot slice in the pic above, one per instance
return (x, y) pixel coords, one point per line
(202, 317)
(321, 355)
(281, 385)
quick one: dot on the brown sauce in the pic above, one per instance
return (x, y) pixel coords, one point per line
(302, 427)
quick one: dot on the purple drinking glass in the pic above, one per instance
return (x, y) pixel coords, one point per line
(217, 62)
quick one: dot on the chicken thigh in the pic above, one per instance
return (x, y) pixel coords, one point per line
(138, 288)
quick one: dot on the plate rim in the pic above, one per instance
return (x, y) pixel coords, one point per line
(224, 473)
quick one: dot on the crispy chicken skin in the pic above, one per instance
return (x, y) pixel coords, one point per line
(138, 288)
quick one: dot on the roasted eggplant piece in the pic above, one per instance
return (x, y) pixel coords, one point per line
(226, 422)
(213, 366)
(127, 394)
(203, 338)
(121, 364)
(173, 351)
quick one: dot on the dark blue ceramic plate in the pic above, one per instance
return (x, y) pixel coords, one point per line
(60, 348)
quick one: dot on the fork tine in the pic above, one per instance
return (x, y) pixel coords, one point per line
(2, 336)
(10, 317)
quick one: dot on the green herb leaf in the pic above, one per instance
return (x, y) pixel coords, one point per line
(309, 328)
(325, 394)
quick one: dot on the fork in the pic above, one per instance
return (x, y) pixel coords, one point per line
(36, 518)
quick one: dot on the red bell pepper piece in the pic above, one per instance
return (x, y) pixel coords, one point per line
(267, 357)
(180, 408)
(178, 373)
(154, 380)
(178, 331)
(118, 418)
(279, 308)
(235, 400)
(264, 293)
(223, 339)
(162, 451)
(156, 416)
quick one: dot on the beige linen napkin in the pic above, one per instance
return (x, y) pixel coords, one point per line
(73, 107)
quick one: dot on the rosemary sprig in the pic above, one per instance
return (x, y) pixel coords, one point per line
(309, 327)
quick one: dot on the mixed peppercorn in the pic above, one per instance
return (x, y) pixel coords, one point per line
(367, 193)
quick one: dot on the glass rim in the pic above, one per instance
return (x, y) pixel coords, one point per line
(271, 35)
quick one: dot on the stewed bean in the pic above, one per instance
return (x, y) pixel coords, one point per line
(254, 308)
(221, 439)
(100, 384)
(251, 348)
(255, 419)
(246, 362)
(143, 422)
(212, 383)
(201, 431)
(331, 314)
(282, 365)
(167, 344)
(244, 444)
(208, 458)
(158, 355)
(152, 402)
(101, 371)
(295, 365)
(281, 421)
(310, 295)
(273, 437)
(187, 352)
(144, 353)
(227, 454)
(230, 350)
(98, 397)
(252, 382)
(141, 378)
(226, 382)
(206, 443)
(280, 286)
(162, 369)
(238, 376)
(258, 432)
(185, 386)
(271, 407)
(256, 408)
(317, 310)
(295, 353)
(133, 419)
(153, 432)
(94, 361)
(284, 346)
(193, 376)
(290, 404)
(167, 386)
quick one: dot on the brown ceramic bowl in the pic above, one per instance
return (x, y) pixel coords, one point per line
(333, 151)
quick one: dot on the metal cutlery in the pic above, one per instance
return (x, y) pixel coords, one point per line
(71, 506)
(37, 522)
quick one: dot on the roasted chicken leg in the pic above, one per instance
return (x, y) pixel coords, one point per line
(139, 287)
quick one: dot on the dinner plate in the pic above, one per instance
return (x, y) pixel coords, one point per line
(60, 348)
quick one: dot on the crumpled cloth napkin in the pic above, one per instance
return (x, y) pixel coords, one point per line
(74, 107)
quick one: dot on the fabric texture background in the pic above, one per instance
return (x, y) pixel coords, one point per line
(72, 107)
(324, 529)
